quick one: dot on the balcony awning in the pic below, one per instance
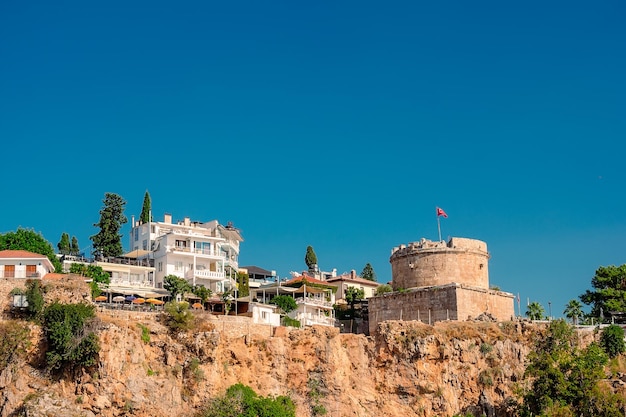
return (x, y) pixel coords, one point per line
(134, 254)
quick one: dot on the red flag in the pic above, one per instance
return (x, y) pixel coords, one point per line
(440, 212)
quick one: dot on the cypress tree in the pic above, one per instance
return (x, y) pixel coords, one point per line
(145, 216)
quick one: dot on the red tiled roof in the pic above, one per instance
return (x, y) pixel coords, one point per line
(23, 254)
(308, 279)
(346, 278)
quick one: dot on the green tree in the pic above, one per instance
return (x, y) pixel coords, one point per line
(286, 303)
(108, 241)
(29, 240)
(368, 272)
(176, 285)
(96, 273)
(34, 296)
(243, 284)
(612, 340)
(353, 295)
(383, 289)
(609, 293)
(203, 292)
(74, 249)
(573, 311)
(310, 258)
(146, 209)
(64, 244)
(535, 311)
(565, 378)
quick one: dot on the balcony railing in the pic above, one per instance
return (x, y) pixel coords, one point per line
(19, 274)
(314, 301)
(205, 274)
(197, 251)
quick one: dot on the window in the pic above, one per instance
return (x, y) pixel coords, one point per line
(136, 234)
(160, 266)
(264, 315)
(178, 266)
(145, 244)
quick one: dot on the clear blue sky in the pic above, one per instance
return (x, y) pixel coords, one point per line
(340, 125)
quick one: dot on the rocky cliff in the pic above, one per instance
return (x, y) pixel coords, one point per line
(405, 369)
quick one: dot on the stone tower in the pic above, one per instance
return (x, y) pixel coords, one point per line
(426, 263)
(435, 281)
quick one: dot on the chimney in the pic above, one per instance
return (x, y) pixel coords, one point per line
(352, 274)
(167, 219)
(187, 221)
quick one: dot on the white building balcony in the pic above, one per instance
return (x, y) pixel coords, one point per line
(205, 275)
(209, 253)
(312, 319)
(314, 302)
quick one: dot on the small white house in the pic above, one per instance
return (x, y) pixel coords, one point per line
(265, 314)
(24, 264)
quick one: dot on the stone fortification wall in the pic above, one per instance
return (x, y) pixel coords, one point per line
(427, 263)
(440, 303)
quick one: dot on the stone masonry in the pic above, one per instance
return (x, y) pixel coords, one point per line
(436, 281)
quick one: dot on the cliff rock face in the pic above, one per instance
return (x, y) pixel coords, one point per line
(406, 369)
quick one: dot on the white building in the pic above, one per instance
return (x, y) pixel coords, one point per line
(314, 299)
(203, 253)
(24, 264)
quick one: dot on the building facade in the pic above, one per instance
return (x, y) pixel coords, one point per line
(203, 253)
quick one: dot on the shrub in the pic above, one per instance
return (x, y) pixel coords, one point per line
(145, 333)
(288, 321)
(70, 344)
(612, 340)
(34, 296)
(14, 340)
(179, 317)
(286, 303)
(241, 400)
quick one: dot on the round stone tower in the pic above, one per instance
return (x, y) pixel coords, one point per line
(427, 263)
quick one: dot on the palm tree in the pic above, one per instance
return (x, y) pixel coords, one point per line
(573, 310)
(535, 311)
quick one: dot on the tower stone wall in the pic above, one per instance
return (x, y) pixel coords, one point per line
(426, 263)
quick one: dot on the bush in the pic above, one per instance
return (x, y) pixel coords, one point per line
(612, 340)
(14, 340)
(286, 303)
(34, 296)
(70, 344)
(289, 322)
(179, 317)
(241, 400)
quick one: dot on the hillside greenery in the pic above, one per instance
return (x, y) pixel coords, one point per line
(241, 401)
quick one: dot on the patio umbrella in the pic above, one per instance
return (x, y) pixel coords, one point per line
(155, 301)
(119, 298)
(101, 298)
(197, 306)
(139, 301)
(130, 298)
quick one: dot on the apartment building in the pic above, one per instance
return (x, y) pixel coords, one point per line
(203, 253)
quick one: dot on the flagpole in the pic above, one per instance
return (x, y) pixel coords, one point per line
(439, 227)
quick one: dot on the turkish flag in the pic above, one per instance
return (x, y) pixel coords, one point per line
(440, 212)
